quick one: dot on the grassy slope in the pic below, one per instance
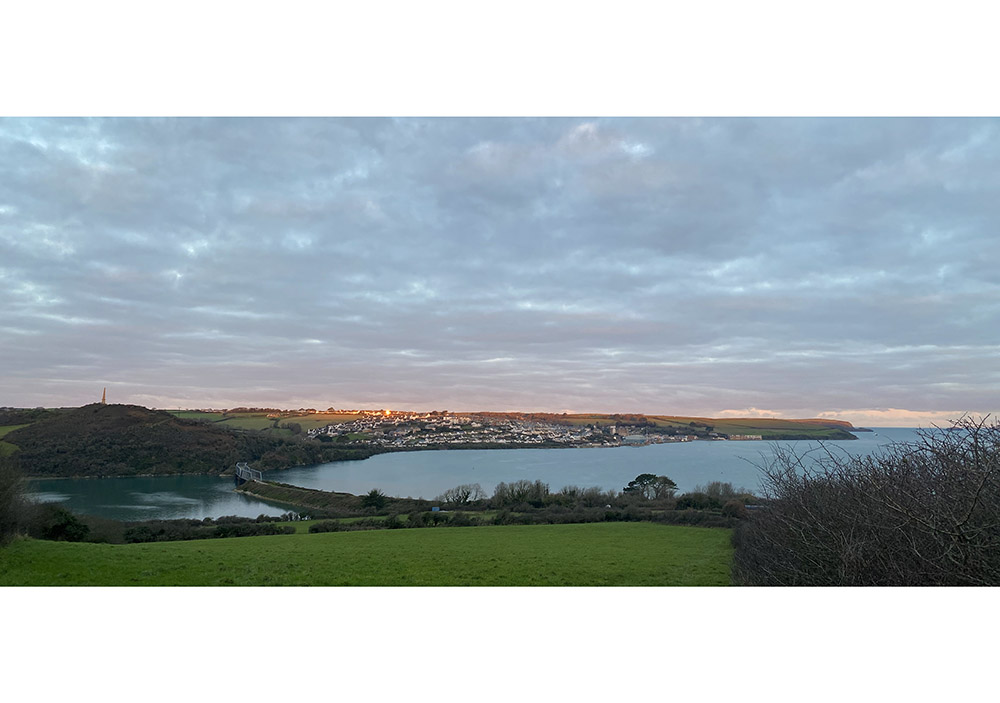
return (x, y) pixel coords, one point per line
(619, 554)
(324, 500)
(196, 415)
(10, 428)
(6, 447)
(260, 421)
(767, 427)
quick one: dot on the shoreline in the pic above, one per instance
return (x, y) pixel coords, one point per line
(436, 448)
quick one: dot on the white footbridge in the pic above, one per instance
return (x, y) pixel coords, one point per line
(244, 473)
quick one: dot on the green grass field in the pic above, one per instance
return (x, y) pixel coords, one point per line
(260, 421)
(196, 415)
(10, 428)
(598, 554)
(247, 422)
(314, 420)
(7, 448)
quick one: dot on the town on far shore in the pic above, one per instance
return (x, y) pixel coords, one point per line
(400, 429)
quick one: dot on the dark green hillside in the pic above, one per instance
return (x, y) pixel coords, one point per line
(25, 416)
(124, 440)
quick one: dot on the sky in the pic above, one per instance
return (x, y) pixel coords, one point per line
(782, 267)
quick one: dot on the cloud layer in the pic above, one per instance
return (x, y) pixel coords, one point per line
(792, 267)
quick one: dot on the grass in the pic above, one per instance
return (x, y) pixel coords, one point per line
(260, 421)
(5, 429)
(196, 415)
(247, 422)
(6, 448)
(597, 554)
(768, 428)
(314, 420)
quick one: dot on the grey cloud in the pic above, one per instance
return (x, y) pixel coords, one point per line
(659, 265)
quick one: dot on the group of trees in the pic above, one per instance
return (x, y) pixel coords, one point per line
(651, 487)
(12, 503)
(923, 513)
(524, 495)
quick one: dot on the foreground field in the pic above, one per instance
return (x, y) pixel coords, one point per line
(598, 554)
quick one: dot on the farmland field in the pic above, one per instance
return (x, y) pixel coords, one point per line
(196, 415)
(246, 422)
(7, 448)
(597, 554)
(10, 428)
(312, 421)
(261, 421)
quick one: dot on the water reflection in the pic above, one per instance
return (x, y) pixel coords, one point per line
(152, 497)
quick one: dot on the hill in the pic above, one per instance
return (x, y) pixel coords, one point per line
(767, 428)
(128, 440)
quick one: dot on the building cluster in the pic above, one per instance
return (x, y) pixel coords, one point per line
(401, 429)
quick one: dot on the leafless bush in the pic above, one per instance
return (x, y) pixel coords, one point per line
(461, 495)
(921, 513)
(722, 492)
(520, 492)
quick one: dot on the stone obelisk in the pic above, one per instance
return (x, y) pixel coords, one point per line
(104, 396)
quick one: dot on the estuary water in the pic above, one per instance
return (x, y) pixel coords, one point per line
(427, 474)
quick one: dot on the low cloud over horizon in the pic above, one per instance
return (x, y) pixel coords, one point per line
(841, 268)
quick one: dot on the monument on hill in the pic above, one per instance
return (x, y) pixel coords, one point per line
(104, 396)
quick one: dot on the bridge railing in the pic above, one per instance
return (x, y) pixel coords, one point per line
(245, 473)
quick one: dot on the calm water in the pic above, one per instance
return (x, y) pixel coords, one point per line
(152, 497)
(428, 474)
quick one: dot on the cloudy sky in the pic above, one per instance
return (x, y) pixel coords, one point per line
(791, 267)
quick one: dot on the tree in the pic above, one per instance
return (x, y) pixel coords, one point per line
(721, 491)
(921, 513)
(12, 500)
(374, 499)
(651, 487)
(51, 521)
(522, 491)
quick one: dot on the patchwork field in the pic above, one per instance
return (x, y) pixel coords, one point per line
(768, 428)
(260, 421)
(598, 554)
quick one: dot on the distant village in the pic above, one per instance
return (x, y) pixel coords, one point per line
(395, 429)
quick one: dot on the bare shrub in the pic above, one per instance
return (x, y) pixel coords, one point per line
(722, 491)
(921, 513)
(462, 495)
(735, 508)
(523, 491)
